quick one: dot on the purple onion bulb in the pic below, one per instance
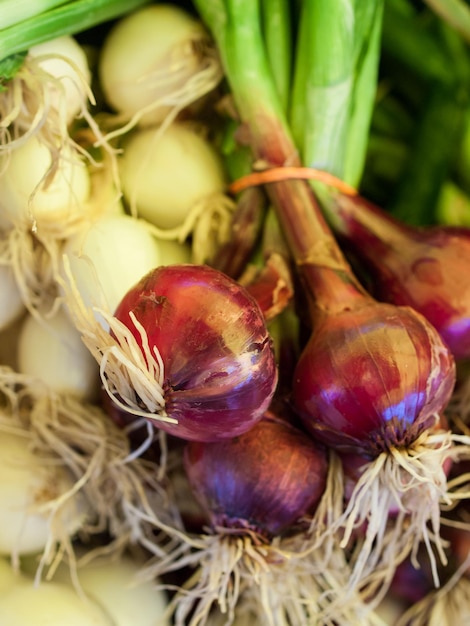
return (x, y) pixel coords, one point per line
(264, 480)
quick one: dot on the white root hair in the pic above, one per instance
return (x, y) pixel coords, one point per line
(396, 507)
(125, 496)
(132, 376)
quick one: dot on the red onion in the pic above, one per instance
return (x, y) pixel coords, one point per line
(261, 491)
(426, 268)
(187, 348)
(264, 480)
(372, 375)
(219, 371)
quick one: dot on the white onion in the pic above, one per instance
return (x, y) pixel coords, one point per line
(165, 174)
(29, 194)
(52, 350)
(28, 481)
(48, 604)
(148, 59)
(110, 257)
(114, 584)
(66, 60)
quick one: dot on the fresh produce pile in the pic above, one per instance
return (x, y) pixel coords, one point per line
(235, 316)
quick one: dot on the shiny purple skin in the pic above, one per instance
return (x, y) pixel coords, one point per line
(425, 268)
(372, 377)
(219, 365)
(263, 481)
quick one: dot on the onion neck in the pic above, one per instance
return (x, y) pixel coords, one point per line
(329, 282)
(369, 228)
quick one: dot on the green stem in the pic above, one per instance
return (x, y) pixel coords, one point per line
(68, 19)
(323, 83)
(364, 94)
(327, 276)
(276, 22)
(14, 11)
(241, 46)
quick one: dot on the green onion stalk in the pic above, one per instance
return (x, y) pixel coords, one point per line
(24, 24)
(336, 67)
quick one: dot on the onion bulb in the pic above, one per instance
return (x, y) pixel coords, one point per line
(71, 474)
(263, 554)
(238, 481)
(174, 178)
(188, 347)
(166, 172)
(109, 257)
(370, 374)
(31, 489)
(156, 61)
(50, 89)
(51, 350)
(40, 187)
(65, 60)
(114, 585)
(51, 604)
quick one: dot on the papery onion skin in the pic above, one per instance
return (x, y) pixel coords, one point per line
(425, 268)
(264, 480)
(372, 378)
(219, 365)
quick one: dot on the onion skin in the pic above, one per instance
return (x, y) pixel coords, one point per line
(264, 480)
(219, 366)
(372, 377)
(425, 268)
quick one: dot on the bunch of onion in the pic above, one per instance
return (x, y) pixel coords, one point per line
(101, 486)
(157, 66)
(50, 183)
(44, 174)
(263, 546)
(373, 377)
